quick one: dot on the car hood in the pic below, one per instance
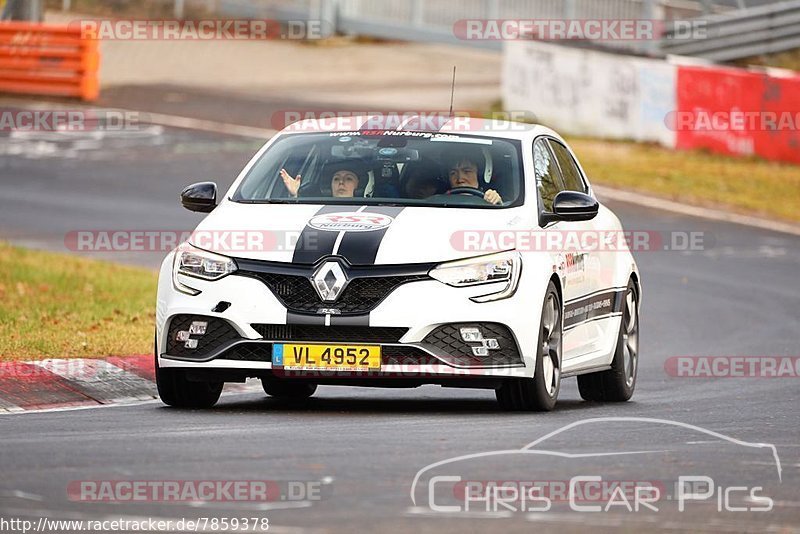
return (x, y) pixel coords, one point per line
(364, 235)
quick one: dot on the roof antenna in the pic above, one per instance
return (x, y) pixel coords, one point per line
(452, 90)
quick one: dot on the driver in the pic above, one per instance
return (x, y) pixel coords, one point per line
(344, 182)
(463, 172)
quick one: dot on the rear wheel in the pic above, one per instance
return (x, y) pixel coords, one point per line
(540, 392)
(288, 389)
(617, 384)
(176, 390)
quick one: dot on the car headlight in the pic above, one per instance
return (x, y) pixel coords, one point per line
(191, 261)
(502, 267)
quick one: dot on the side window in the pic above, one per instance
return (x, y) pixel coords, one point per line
(573, 180)
(548, 177)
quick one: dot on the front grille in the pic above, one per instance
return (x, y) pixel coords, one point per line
(361, 334)
(447, 338)
(360, 296)
(218, 333)
(249, 352)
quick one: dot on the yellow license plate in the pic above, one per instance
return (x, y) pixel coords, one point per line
(298, 357)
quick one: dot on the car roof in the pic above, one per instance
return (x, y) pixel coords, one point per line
(432, 123)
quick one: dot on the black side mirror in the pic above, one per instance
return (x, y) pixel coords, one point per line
(571, 206)
(575, 206)
(200, 197)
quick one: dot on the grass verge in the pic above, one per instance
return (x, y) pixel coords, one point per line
(63, 306)
(784, 60)
(743, 185)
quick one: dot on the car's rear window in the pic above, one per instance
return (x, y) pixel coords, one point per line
(396, 167)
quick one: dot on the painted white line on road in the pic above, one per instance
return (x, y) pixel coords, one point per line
(7, 407)
(114, 403)
(76, 408)
(207, 126)
(606, 193)
(164, 119)
(24, 495)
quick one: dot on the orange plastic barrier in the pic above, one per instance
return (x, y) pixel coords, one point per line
(44, 59)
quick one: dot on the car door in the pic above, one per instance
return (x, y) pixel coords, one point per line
(587, 317)
(570, 262)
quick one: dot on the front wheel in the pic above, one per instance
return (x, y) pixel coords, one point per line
(617, 384)
(176, 390)
(539, 393)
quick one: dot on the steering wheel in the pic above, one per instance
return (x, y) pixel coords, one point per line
(474, 191)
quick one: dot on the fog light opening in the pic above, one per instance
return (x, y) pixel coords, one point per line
(471, 334)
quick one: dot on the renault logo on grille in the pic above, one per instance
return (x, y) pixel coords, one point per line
(329, 281)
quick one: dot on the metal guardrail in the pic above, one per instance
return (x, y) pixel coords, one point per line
(433, 20)
(735, 28)
(751, 32)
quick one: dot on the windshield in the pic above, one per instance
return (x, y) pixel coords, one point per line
(387, 167)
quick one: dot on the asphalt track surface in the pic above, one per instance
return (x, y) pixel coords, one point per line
(361, 448)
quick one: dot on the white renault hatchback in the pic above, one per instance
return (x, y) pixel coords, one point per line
(468, 253)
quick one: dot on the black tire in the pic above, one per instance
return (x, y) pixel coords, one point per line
(288, 389)
(540, 393)
(175, 390)
(618, 383)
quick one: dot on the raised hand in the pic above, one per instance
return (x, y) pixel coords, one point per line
(292, 184)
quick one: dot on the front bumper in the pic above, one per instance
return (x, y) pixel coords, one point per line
(416, 325)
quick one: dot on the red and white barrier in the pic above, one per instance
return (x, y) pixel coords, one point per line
(685, 106)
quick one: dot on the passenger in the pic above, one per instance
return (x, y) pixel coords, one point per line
(422, 181)
(344, 182)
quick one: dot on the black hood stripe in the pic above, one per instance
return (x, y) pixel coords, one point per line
(313, 244)
(361, 248)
